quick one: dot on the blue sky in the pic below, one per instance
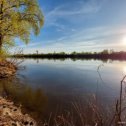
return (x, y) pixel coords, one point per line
(80, 25)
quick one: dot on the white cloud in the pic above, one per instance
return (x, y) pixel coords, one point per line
(85, 40)
(72, 10)
(90, 35)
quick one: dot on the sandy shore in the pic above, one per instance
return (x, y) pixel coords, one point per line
(7, 69)
(10, 115)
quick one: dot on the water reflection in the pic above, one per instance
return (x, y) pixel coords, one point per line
(124, 70)
(21, 93)
(47, 86)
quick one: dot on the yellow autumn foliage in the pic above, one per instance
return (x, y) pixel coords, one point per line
(18, 19)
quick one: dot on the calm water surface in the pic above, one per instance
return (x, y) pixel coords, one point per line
(52, 85)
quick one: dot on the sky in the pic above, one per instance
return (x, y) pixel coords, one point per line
(80, 25)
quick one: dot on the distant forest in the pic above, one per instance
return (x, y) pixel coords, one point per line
(105, 54)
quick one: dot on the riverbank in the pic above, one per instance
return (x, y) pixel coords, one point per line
(10, 115)
(7, 69)
(75, 55)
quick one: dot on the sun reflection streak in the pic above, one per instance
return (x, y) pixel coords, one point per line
(124, 70)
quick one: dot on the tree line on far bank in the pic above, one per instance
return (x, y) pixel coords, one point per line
(105, 54)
